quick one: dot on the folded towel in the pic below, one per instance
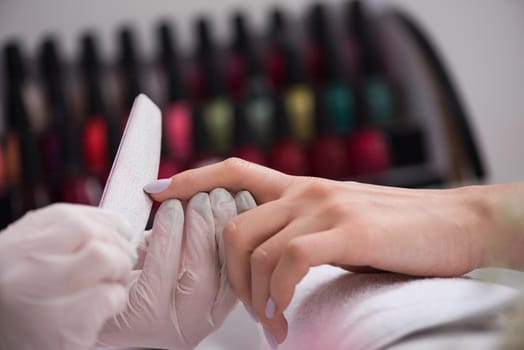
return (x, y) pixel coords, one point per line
(333, 309)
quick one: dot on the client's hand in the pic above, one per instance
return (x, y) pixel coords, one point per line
(303, 222)
(179, 293)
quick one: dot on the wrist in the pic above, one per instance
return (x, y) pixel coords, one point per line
(503, 225)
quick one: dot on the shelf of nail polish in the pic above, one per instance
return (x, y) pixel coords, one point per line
(342, 93)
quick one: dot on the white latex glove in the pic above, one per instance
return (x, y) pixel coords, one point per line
(63, 273)
(180, 293)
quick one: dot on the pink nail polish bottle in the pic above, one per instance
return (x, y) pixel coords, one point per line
(177, 118)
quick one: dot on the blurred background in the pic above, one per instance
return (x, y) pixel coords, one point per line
(403, 92)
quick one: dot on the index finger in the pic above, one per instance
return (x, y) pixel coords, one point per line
(233, 174)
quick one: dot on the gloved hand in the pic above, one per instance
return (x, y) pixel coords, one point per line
(63, 273)
(179, 293)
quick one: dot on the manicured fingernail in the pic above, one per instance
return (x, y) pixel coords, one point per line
(251, 313)
(270, 339)
(157, 186)
(270, 308)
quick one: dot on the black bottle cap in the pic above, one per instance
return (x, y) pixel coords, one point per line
(170, 60)
(295, 67)
(129, 64)
(243, 43)
(277, 22)
(244, 133)
(283, 127)
(319, 31)
(14, 65)
(240, 32)
(359, 26)
(200, 133)
(324, 122)
(52, 74)
(15, 72)
(208, 57)
(203, 36)
(317, 23)
(91, 70)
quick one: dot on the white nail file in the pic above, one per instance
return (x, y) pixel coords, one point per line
(135, 165)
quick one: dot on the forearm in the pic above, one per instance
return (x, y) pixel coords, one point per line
(503, 231)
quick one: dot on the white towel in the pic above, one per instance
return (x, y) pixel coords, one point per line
(333, 309)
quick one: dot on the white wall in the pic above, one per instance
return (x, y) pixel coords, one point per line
(482, 41)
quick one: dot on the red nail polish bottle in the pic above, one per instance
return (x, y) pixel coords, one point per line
(275, 63)
(368, 147)
(100, 132)
(177, 140)
(329, 158)
(287, 155)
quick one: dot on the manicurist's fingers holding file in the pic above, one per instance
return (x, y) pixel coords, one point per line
(63, 272)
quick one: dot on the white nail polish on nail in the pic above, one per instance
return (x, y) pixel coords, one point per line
(157, 186)
(270, 308)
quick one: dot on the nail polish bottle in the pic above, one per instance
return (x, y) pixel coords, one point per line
(257, 103)
(245, 144)
(51, 147)
(275, 63)
(316, 63)
(377, 89)
(29, 191)
(287, 154)
(129, 67)
(299, 99)
(236, 63)
(340, 101)
(15, 73)
(203, 154)
(100, 132)
(217, 110)
(177, 120)
(70, 184)
(329, 157)
(368, 147)
(5, 198)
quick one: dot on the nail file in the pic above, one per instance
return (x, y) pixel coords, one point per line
(135, 165)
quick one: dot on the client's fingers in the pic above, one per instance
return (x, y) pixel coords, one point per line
(234, 174)
(301, 253)
(243, 234)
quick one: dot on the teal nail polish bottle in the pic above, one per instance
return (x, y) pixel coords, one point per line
(257, 104)
(338, 95)
(378, 93)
